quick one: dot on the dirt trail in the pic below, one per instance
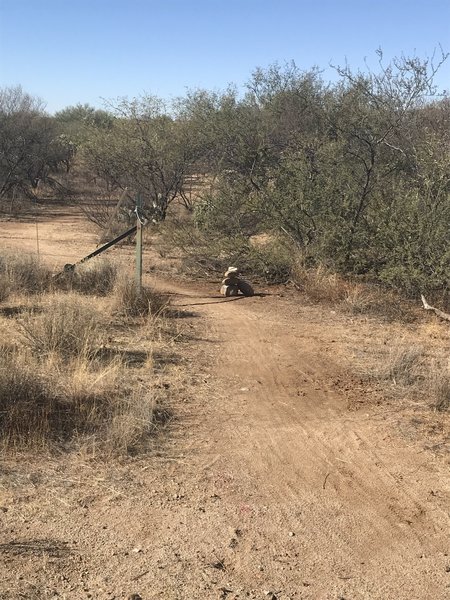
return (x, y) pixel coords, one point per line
(267, 485)
(335, 505)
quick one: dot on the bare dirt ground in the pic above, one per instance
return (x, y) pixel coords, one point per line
(282, 475)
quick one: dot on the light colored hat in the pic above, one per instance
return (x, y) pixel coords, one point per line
(232, 272)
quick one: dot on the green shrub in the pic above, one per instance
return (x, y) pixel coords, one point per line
(205, 254)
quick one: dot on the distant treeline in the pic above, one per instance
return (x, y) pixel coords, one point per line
(355, 174)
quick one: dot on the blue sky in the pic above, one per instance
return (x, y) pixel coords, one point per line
(70, 51)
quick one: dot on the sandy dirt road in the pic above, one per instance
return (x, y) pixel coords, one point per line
(266, 485)
(329, 503)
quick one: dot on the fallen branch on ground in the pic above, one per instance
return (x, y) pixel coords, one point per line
(439, 313)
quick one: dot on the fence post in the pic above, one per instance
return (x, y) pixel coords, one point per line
(138, 244)
(37, 228)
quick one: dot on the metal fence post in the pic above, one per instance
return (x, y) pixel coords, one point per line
(138, 244)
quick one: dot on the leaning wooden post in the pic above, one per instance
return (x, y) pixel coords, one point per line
(139, 244)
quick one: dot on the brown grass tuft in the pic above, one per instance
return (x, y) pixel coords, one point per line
(62, 382)
(24, 273)
(133, 421)
(320, 285)
(402, 365)
(358, 299)
(67, 326)
(129, 302)
(95, 277)
(43, 403)
(26, 406)
(5, 287)
(440, 389)
(323, 286)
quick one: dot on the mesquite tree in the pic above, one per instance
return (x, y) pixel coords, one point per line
(31, 147)
(146, 150)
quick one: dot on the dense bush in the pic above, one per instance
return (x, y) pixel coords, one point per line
(356, 174)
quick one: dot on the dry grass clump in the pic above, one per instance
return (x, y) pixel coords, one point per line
(67, 325)
(95, 277)
(88, 393)
(26, 406)
(402, 365)
(83, 402)
(129, 302)
(133, 421)
(59, 386)
(442, 393)
(364, 298)
(23, 273)
(50, 386)
(323, 286)
(48, 402)
(5, 286)
(358, 299)
(439, 384)
(319, 284)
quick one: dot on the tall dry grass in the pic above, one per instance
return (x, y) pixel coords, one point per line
(46, 402)
(129, 302)
(442, 392)
(323, 286)
(66, 325)
(22, 273)
(133, 421)
(58, 386)
(5, 287)
(403, 364)
(96, 277)
(26, 406)
(25, 274)
(409, 369)
(439, 386)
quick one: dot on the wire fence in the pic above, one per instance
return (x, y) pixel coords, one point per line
(59, 244)
(48, 247)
